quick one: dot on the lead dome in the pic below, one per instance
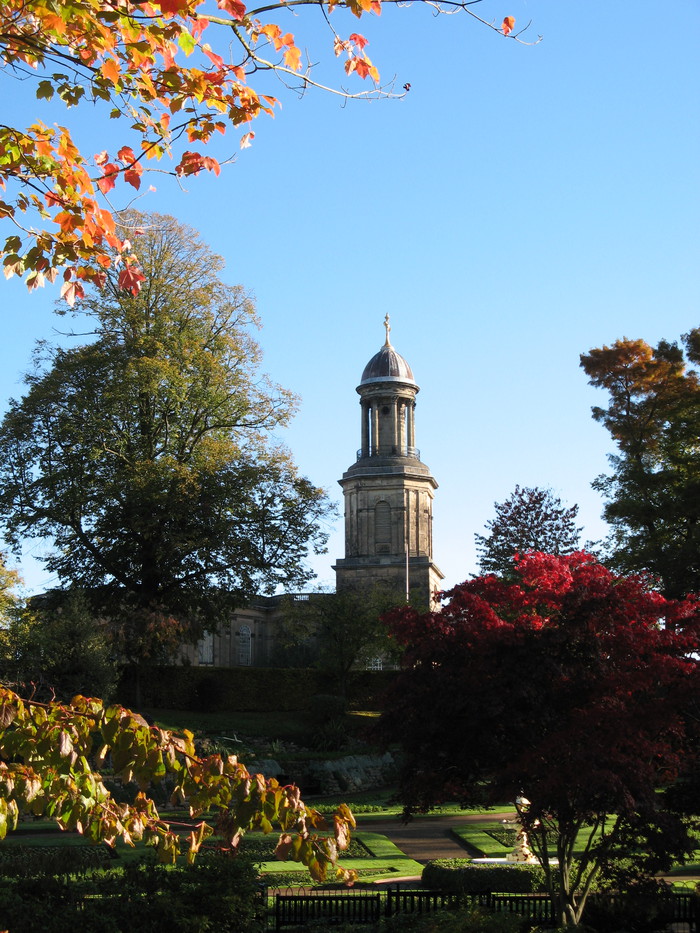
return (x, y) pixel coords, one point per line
(387, 365)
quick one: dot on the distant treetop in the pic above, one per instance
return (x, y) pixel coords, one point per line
(531, 519)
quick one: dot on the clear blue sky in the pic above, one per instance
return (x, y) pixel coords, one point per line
(520, 206)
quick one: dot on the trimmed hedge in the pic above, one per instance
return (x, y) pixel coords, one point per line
(21, 861)
(464, 877)
(215, 893)
(244, 689)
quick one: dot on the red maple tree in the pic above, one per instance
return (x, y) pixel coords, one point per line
(572, 686)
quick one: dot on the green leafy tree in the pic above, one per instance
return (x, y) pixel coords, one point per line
(653, 492)
(53, 763)
(9, 600)
(145, 455)
(531, 519)
(339, 632)
(56, 648)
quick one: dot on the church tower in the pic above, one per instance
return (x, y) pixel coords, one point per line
(388, 491)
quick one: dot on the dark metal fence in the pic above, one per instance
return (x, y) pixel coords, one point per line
(297, 908)
(354, 905)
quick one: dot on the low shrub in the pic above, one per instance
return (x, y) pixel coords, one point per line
(18, 861)
(456, 921)
(215, 893)
(631, 912)
(464, 877)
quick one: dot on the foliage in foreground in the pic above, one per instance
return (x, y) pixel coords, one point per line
(574, 688)
(50, 761)
(173, 74)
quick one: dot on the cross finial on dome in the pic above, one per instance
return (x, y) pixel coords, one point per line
(388, 328)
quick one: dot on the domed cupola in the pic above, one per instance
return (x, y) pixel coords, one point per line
(387, 365)
(388, 399)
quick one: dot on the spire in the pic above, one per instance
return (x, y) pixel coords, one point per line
(388, 328)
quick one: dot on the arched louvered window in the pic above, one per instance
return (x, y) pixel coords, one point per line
(382, 527)
(206, 648)
(244, 646)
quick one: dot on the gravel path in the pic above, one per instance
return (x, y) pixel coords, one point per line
(430, 837)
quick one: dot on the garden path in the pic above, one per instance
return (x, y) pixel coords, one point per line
(428, 837)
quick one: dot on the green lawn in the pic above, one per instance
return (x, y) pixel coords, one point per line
(479, 838)
(384, 861)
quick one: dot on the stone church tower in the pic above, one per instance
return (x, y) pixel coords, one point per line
(388, 491)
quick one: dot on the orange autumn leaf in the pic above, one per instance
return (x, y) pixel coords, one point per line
(292, 58)
(110, 70)
(126, 154)
(508, 24)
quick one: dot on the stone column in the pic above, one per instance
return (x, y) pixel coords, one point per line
(411, 424)
(374, 452)
(364, 408)
(396, 427)
(401, 421)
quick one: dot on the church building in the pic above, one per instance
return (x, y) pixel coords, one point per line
(388, 494)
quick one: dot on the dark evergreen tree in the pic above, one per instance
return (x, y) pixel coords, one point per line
(531, 519)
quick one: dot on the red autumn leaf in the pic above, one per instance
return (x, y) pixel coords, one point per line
(359, 40)
(101, 157)
(376, 7)
(192, 163)
(126, 154)
(215, 59)
(130, 279)
(172, 7)
(508, 24)
(246, 140)
(109, 178)
(234, 7)
(362, 67)
(132, 175)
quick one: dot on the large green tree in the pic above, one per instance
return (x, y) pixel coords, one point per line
(653, 491)
(145, 456)
(530, 519)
